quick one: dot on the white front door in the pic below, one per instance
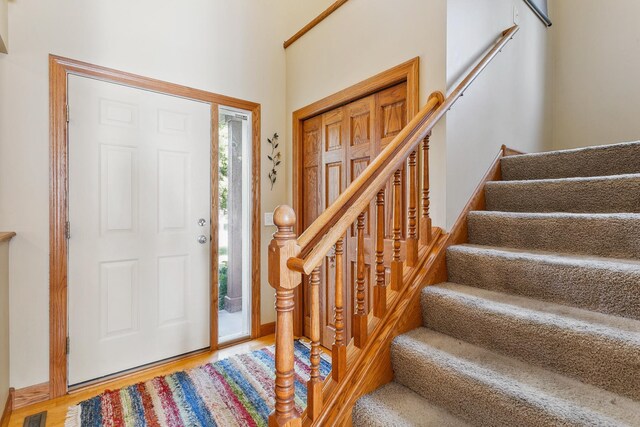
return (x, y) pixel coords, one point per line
(139, 212)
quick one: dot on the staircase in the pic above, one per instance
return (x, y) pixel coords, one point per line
(539, 324)
(378, 312)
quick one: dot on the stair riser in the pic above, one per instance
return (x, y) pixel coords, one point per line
(395, 405)
(610, 160)
(616, 237)
(605, 290)
(597, 196)
(464, 396)
(593, 359)
(508, 341)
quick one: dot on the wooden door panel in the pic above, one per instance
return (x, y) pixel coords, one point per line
(334, 137)
(360, 119)
(391, 105)
(311, 187)
(338, 146)
(311, 172)
(357, 166)
(334, 178)
(391, 108)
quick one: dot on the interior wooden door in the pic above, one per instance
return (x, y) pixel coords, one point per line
(391, 110)
(334, 141)
(312, 188)
(337, 146)
(360, 120)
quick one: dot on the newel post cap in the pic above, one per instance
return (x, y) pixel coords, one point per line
(283, 246)
(284, 216)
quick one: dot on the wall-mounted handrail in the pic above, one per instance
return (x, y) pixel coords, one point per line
(315, 21)
(290, 257)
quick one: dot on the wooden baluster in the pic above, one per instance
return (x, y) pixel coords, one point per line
(380, 290)
(360, 324)
(314, 385)
(339, 351)
(397, 266)
(282, 247)
(412, 235)
(425, 219)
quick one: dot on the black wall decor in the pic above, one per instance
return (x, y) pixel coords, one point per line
(541, 9)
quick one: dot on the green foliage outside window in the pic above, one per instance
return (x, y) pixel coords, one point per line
(222, 288)
(223, 165)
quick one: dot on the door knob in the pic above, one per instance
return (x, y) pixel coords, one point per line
(202, 222)
(202, 239)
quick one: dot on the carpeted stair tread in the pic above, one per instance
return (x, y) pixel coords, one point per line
(489, 389)
(615, 159)
(394, 405)
(605, 285)
(592, 347)
(607, 235)
(539, 324)
(608, 194)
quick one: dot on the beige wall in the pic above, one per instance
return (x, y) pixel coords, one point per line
(360, 40)
(235, 48)
(228, 47)
(596, 64)
(4, 25)
(4, 323)
(505, 105)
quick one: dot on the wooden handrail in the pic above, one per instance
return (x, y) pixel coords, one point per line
(353, 200)
(507, 35)
(290, 257)
(6, 235)
(368, 175)
(318, 19)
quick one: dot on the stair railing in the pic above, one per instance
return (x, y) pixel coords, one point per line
(290, 257)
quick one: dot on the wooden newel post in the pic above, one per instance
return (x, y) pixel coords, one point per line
(282, 247)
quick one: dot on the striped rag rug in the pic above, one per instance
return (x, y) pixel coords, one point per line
(237, 391)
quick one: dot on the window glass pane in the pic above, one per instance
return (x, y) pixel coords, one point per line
(234, 226)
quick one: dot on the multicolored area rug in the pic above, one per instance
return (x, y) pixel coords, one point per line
(238, 391)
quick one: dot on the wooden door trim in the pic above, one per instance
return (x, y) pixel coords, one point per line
(59, 69)
(407, 72)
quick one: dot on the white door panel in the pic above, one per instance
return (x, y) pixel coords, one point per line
(139, 181)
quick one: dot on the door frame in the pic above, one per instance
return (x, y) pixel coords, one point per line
(408, 72)
(59, 69)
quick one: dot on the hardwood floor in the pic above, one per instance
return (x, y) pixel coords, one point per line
(57, 408)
